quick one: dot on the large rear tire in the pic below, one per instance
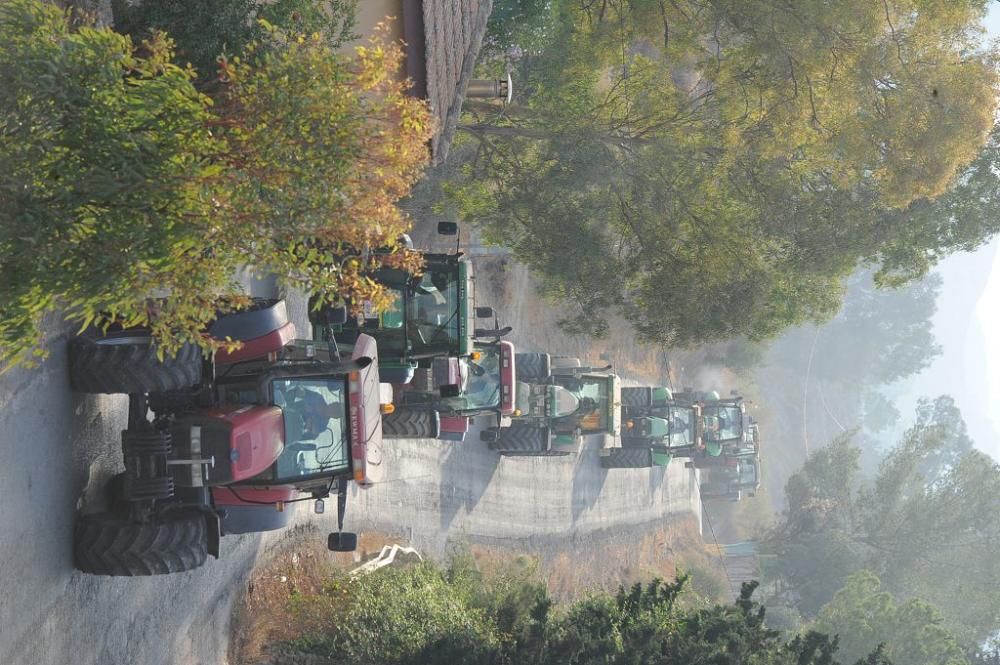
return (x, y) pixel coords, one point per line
(636, 397)
(108, 544)
(628, 458)
(126, 362)
(522, 438)
(411, 423)
(532, 365)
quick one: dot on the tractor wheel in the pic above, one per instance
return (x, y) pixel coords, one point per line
(636, 397)
(564, 362)
(635, 441)
(521, 438)
(628, 458)
(108, 544)
(407, 423)
(534, 453)
(532, 365)
(126, 362)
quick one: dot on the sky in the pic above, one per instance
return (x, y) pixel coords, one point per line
(967, 326)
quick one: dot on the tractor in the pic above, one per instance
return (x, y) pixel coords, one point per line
(655, 429)
(731, 477)
(458, 390)
(557, 401)
(432, 318)
(224, 444)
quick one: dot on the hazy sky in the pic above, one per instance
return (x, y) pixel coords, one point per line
(967, 325)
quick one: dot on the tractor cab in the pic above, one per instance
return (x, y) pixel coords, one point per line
(433, 315)
(722, 426)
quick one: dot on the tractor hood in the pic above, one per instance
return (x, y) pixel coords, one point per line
(366, 397)
(561, 402)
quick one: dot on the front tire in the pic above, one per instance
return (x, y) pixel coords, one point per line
(407, 423)
(126, 362)
(108, 544)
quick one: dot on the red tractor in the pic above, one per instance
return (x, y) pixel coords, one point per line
(222, 445)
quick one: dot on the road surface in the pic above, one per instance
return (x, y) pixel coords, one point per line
(59, 448)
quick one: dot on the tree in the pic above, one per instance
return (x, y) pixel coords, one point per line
(725, 183)
(121, 184)
(925, 524)
(881, 335)
(865, 616)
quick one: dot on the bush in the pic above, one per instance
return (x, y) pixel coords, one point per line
(121, 184)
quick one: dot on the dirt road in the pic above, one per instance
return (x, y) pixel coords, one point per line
(58, 449)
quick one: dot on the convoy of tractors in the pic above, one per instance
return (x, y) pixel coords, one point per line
(222, 445)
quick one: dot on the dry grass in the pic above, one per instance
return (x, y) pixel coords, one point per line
(299, 567)
(611, 563)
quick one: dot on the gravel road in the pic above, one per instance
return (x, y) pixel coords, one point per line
(59, 448)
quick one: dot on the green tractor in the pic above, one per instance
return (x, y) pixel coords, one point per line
(655, 429)
(432, 318)
(557, 402)
(724, 421)
(736, 472)
(433, 314)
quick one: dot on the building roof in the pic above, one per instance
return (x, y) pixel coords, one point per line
(453, 33)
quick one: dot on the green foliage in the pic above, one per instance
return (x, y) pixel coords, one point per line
(104, 155)
(424, 614)
(725, 187)
(864, 616)
(879, 411)
(126, 195)
(203, 30)
(518, 24)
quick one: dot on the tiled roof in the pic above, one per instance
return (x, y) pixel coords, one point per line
(453, 31)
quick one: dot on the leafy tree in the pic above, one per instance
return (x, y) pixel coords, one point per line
(881, 335)
(879, 412)
(725, 183)
(926, 524)
(865, 616)
(121, 184)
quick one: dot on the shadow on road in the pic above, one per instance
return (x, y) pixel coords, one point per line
(588, 478)
(657, 475)
(466, 471)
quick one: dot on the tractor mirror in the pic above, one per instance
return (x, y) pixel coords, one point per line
(447, 228)
(484, 313)
(342, 541)
(450, 390)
